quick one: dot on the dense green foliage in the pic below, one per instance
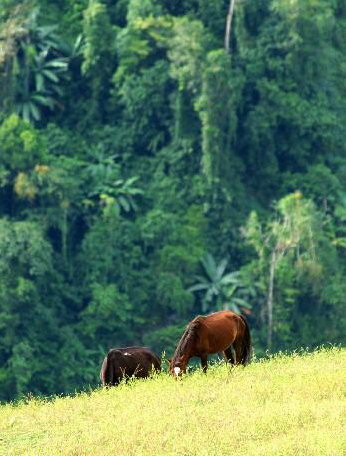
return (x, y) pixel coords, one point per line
(147, 175)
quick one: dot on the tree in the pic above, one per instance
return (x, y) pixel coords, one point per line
(142, 81)
(21, 145)
(36, 64)
(98, 52)
(218, 287)
(27, 307)
(290, 233)
(229, 24)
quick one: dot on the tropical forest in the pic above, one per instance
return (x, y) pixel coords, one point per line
(162, 159)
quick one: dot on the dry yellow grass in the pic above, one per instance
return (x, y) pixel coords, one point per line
(288, 405)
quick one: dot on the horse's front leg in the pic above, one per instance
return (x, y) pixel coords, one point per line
(204, 363)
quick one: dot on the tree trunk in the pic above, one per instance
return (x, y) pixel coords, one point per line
(273, 262)
(228, 25)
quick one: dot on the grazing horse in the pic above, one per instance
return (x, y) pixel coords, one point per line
(208, 334)
(127, 362)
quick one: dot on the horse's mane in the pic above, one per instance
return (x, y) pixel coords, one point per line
(190, 335)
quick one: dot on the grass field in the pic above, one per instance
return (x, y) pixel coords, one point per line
(288, 405)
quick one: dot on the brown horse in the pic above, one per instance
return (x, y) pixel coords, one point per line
(208, 334)
(128, 362)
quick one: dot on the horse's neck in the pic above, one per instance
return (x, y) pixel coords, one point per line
(188, 351)
(183, 347)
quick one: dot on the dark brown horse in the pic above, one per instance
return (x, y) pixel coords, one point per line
(128, 362)
(208, 334)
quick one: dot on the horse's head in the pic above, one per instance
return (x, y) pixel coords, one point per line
(177, 366)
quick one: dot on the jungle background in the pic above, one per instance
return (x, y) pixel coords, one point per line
(152, 168)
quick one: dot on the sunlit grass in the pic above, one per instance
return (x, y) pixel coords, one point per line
(287, 405)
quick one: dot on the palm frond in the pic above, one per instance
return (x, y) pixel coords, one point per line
(221, 267)
(198, 287)
(209, 266)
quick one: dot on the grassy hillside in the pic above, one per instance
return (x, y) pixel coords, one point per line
(288, 405)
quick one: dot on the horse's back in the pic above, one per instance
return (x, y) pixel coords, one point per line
(218, 330)
(143, 355)
(220, 320)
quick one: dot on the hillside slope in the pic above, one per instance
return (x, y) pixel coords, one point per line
(288, 405)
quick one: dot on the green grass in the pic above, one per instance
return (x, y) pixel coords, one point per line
(287, 405)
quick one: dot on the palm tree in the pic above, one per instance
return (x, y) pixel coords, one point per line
(114, 194)
(221, 289)
(36, 64)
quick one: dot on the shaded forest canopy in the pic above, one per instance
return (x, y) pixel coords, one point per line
(148, 174)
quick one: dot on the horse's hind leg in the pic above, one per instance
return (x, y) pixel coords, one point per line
(238, 348)
(229, 355)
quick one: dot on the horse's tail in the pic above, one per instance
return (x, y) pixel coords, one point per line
(106, 374)
(246, 349)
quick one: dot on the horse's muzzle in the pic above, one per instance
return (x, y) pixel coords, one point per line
(177, 371)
